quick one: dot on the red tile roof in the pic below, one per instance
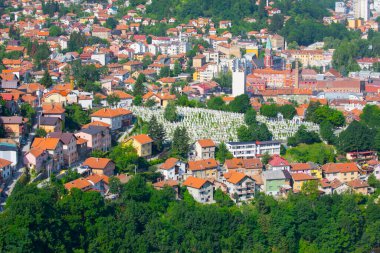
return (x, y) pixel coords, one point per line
(97, 163)
(194, 182)
(340, 167)
(203, 164)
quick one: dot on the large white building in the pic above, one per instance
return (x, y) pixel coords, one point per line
(254, 148)
(239, 73)
(361, 9)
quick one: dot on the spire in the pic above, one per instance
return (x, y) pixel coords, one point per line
(269, 44)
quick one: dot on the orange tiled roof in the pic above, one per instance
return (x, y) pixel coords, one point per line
(142, 139)
(206, 143)
(340, 167)
(96, 123)
(203, 164)
(96, 163)
(234, 177)
(194, 182)
(163, 183)
(110, 113)
(169, 163)
(46, 143)
(4, 163)
(357, 183)
(302, 177)
(79, 183)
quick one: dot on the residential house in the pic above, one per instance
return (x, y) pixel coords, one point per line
(207, 168)
(240, 186)
(98, 137)
(142, 143)
(344, 172)
(9, 151)
(14, 126)
(38, 159)
(278, 163)
(50, 124)
(160, 185)
(273, 180)
(53, 110)
(204, 149)
(358, 186)
(249, 166)
(173, 169)
(309, 168)
(54, 147)
(69, 140)
(201, 189)
(298, 179)
(5, 170)
(100, 166)
(93, 182)
(118, 118)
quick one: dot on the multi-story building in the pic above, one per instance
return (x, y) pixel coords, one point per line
(54, 148)
(344, 172)
(142, 143)
(273, 181)
(240, 186)
(361, 9)
(248, 166)
(69, 140)
(201, 189)
(172, 169)
(204, 149)
(98, 137)
(207, 168)
(253, 148)
(117, 118)
(100, 166)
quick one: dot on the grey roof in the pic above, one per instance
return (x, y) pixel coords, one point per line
(49, 121)
(93, 130)
(11, 120)
(273, 175)
(64, 137)
(8, 147)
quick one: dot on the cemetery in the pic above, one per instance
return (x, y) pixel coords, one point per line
(218, 125)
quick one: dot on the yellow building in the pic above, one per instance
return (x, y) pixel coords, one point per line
(207, 168)
(344, 172)
(252, 50)
(54, 96)
(307, 168)
(299, 179)
(142, 143)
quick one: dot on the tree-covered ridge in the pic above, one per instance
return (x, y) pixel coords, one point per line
(147, 220)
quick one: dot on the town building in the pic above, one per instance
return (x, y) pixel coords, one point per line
(201, 189)
(254, 148)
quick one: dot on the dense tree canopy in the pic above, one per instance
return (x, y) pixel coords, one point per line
(357, 137)
(146, 220)
(318, 113)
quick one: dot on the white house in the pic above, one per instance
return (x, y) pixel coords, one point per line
(5, 169)
(205, 149)
(173, 169)
(116, 118)
(201, 189)
(240, 186)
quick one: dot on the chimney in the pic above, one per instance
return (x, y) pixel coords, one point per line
(297, 76)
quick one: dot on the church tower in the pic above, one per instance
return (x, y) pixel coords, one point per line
(268, 60)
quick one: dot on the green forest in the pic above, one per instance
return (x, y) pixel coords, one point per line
(146, 220)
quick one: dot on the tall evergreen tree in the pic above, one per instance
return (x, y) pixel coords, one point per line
(222, 153)
(170, 113)
(139, 89)
(46, 80)
(157, 132)
(180, 144)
